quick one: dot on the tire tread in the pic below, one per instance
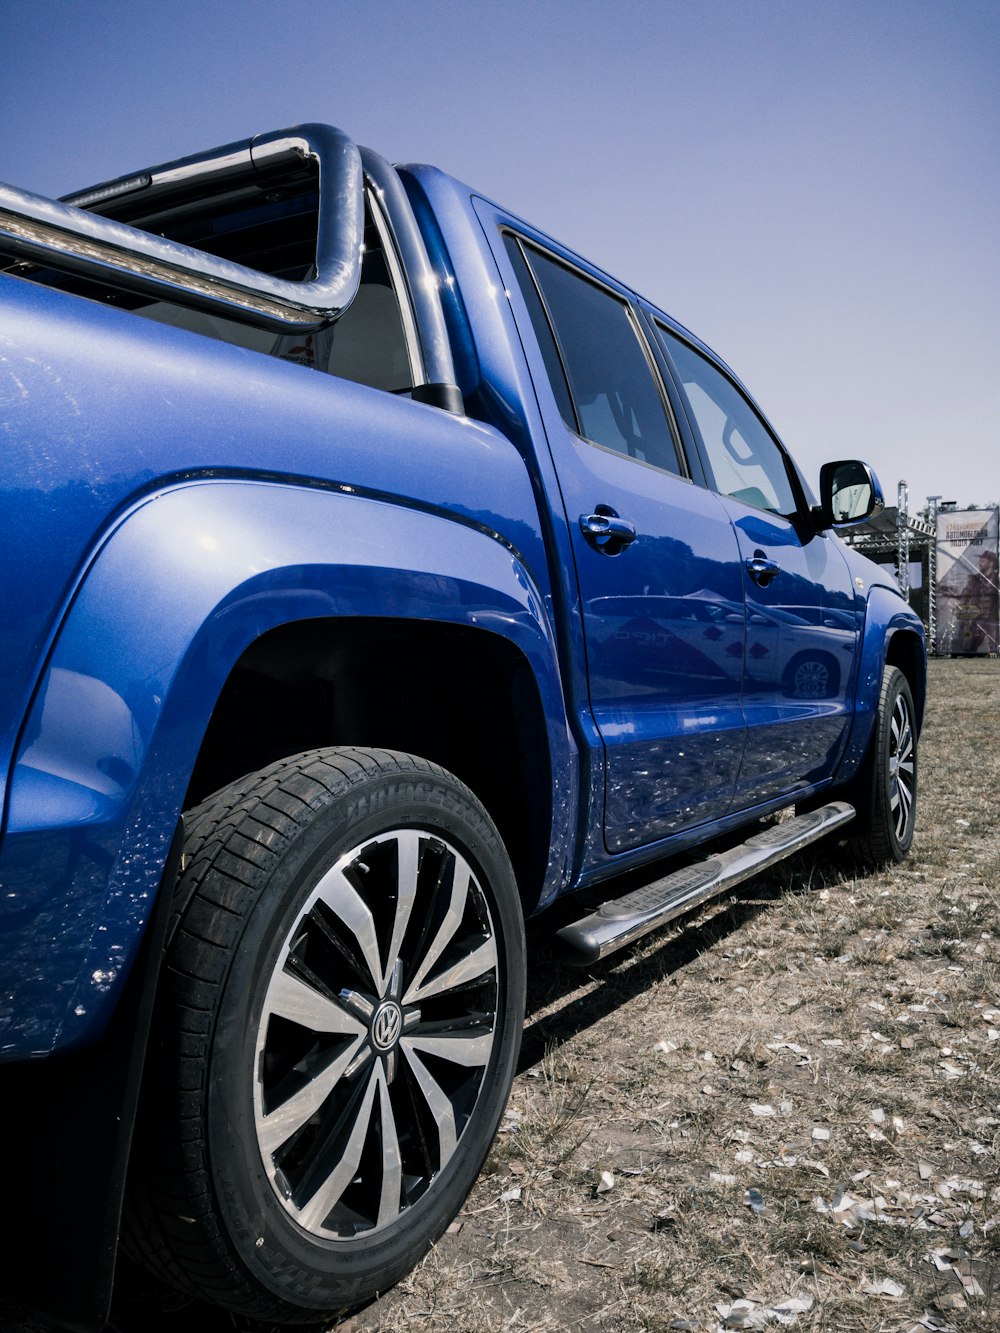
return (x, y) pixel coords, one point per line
(874, 840)
(233, 842)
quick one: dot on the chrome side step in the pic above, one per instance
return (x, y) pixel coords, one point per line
(622, 920)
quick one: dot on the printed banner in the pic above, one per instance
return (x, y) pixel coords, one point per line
(968, 557)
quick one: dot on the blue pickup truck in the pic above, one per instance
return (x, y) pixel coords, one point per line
(376, 571)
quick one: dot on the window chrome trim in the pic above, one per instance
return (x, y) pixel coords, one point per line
(523, 246)
(399, 286)
(64, 236)
(418, 284)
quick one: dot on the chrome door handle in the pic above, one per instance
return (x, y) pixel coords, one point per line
(762, 569)
(607, 532)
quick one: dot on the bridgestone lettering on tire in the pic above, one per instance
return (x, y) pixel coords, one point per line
(336, 1033)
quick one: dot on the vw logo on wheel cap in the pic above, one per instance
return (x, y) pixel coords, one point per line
(386, 1025)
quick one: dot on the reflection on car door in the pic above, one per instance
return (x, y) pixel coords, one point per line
(657, 562)
(802, 633)
(801, 644)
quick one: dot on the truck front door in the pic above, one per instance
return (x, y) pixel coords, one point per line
(657, 560)
(802, 629)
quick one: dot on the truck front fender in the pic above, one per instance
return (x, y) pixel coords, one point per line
(180, 588)
(889, 621)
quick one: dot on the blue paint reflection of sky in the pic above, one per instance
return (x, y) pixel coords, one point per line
(811, 189)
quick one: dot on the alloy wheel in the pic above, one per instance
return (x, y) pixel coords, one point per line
(902, 767)
(376, 1031)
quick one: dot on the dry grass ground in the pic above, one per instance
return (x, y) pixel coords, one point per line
(793, 1097)
(783, 1112)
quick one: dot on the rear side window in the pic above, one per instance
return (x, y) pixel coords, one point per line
(596, 360)
(747, 462)
(366, 344)
(274, 232)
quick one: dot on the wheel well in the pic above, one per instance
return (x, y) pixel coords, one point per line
(462, 697)
(904, 650)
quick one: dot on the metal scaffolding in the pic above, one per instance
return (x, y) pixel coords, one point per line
(897, 533)
(932, 516)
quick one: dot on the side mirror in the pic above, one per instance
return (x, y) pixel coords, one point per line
(849, 493)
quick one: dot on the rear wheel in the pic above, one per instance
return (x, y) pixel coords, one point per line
(336, 1033)
(886, 791)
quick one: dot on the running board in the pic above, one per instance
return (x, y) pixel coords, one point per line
(622, 920)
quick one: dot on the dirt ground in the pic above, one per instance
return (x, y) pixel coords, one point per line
(782, 1112)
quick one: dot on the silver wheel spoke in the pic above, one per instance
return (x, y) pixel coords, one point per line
(438, 1104)
(342, 898)
(294, 999)
(478, 962)
(392, 1164)
(905, 742)
(904, 803)
(277, 1128)
(469, 1051)
(451, 923)
(408, 859)
(312, 1214)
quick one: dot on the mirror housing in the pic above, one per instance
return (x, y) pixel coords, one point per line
(849, 493)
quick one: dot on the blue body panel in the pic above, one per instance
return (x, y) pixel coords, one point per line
(213, 558)
(803, 633)
(167, 499)
(642, 676)
(182, 521)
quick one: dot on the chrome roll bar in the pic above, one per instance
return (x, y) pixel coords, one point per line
(64, 235)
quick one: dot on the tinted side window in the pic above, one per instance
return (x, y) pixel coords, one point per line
(366, 344)
(613, 398)
(746, 461)
(274, 234)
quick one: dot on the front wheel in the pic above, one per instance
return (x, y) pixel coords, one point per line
(336, 1033)
(886, 791)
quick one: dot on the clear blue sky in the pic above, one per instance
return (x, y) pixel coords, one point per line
(813, 188)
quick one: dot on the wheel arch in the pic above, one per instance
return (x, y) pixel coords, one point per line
(905, 649)
(178, 594)
(455, 694)
(893, 635)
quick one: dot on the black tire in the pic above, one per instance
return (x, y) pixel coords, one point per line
(885, 793)
(335, 1037)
